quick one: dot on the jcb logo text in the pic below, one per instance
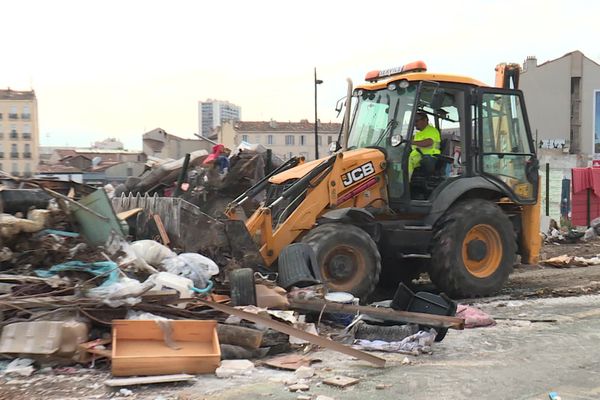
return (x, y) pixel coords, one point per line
(358, 173)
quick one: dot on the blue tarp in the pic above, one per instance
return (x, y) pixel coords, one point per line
(108, 268)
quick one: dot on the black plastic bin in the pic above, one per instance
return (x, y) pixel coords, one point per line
(424, 302)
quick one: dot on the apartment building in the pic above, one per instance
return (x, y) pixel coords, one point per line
(286, 139)
(563, 103)
(213, 113)
(19, 135)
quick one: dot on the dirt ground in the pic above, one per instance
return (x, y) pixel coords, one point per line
(516, 359)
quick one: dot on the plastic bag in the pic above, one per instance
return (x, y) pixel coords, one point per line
(193, 266)
(126, 291)
(151, 251)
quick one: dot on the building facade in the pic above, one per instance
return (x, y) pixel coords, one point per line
(158, 143)
(19, 132)
(213, 113)
(563, 103)
(286, 139)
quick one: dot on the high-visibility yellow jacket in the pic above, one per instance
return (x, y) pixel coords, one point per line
(430, 132)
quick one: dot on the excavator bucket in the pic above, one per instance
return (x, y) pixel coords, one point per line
(191, 230)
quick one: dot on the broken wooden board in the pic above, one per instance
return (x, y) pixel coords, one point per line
(279, 326)
(164, 237)
(123, 215)
(434, 321)
(341, 381)
(290, 362)
(145, 380)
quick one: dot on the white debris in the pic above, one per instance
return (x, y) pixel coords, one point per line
(231, 368)
(304, 372)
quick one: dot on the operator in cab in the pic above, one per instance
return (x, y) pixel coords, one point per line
(426, 141)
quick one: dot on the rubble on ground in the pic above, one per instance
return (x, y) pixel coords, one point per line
(83, 286)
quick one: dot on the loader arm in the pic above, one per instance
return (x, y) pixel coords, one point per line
(321, 189)
(507, 77)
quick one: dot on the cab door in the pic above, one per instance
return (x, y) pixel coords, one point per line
(506, 149)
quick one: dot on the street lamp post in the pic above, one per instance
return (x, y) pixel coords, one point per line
(317, 82)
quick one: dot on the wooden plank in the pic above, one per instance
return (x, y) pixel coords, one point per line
(239, 336)
(129, 213)
(164, 237)
(435, 321)
(144, 380)
(281, 327)
(341, 381)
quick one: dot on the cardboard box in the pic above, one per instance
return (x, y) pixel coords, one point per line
(145, 347)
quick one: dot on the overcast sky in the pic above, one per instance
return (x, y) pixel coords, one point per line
(120, 68)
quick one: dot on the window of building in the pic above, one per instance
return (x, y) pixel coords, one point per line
(289, 140)
(319, 140)
(129, 171)
(15, 169)
(257, 139)
(27, 169)
(1, 169)
(27, 151)
(302, 140)
(270, 139)
(329, 139)
(26, 113)
(244, 138)
(26, 131)
(13, 148)
(13, 131)
(1, 152)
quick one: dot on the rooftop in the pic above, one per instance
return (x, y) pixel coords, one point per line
(285, 127)
(9, 94)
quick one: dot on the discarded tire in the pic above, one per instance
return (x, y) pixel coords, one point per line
(243, 291)
(347, 256)
(295, 266)
(473, 249)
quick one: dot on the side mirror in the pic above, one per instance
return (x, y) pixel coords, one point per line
(333, 147)
(396, 140)
(339, 105)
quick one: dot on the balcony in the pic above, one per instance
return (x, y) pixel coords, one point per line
(28, 155)
(14, 135)
(26, 117)
(14, 155)
(13, 116)
(26, 136)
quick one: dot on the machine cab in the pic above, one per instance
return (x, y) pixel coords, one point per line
(483, 131)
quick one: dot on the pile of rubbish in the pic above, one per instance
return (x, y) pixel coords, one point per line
(84, 280)
(202, 183)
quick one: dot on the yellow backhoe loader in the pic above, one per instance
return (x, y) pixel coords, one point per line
(463, 219)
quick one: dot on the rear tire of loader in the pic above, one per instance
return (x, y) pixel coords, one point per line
(347, 256)
(473, 249)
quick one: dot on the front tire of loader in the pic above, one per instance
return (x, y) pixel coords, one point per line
(347, 256)
(473, 249)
